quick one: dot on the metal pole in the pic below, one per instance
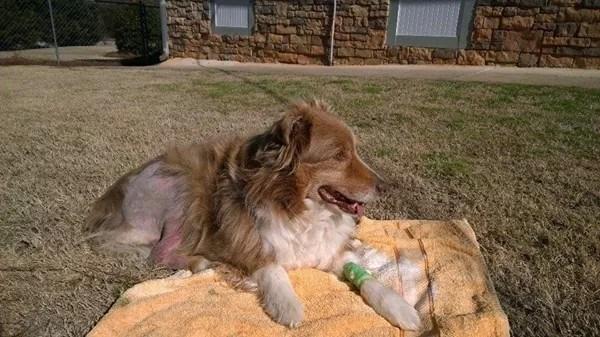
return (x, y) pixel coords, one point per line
(53, 32)
(332, 33)
(164, 29)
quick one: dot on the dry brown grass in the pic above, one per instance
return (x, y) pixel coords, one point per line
(520, 162)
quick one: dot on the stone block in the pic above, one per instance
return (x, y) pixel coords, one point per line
(302, 59)
(589, 30)
(287, 58)
(355, 61)
(296, 39)
(549, 27)
(297, 21)
(342, 36)
(532, 3)
(345, 52)
(566, 29)
(491, 23)
(444, 61)
(480, 35)
(509, 11)
(549, 9)
(578, 15)
(527, 41)
(545, 18)
(488, 11)
(528, 60)
(364, 53)
(566, 41)
(357, 10)
(592, 51)
(517, 22)
(317, 50)
(551, 61)
(379, 23)
(275, 38)
(470, 57)
(359, 37)
(528, 12)
(259, 38)
(374, 61)
(442, 53)
(591, 3)
(303, 49)
(587, 62)
(316, 40)
(569, 51)
(281, 8)
(502, 57)
(419, 54)
(284, 30)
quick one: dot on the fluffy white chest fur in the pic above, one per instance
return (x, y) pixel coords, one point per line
(311, 240)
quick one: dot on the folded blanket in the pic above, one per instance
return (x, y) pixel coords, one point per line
(438, 268)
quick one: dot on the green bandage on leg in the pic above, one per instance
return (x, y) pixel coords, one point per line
(356, 274)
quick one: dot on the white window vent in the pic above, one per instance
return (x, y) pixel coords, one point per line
(430, 23)
(232, 17)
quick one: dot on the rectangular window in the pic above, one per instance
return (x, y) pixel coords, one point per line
(232, 17)
(430, 23)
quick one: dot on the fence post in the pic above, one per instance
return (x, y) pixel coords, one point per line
(332, 37)
(53, 32)
(164, 29)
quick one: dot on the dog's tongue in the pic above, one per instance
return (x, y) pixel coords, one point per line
(358, 209)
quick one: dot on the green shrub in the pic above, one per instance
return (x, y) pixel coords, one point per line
(123, 24)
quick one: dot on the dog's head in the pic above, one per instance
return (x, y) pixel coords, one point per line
(317, 153)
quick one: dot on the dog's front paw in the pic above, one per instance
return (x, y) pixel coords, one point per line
(285, 310)
(389, 304)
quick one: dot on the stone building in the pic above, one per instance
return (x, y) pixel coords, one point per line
(526, 33)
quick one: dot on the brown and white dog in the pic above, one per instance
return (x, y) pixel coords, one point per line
(283, 199)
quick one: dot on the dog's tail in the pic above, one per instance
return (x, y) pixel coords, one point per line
(105, 225)
(106, 214)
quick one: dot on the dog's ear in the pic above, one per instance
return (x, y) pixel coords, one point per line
(285, 142)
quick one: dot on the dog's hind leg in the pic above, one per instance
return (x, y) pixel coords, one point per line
(129, 216)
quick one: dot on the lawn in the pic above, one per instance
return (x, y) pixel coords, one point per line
(521, 163)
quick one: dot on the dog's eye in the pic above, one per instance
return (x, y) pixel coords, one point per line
(340, 156)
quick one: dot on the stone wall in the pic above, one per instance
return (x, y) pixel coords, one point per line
(547, 33)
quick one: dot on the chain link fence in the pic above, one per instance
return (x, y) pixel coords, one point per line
(79, 31)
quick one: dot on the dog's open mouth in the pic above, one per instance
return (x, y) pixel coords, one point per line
(346, 204)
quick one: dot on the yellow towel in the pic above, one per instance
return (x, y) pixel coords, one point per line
(438, 268)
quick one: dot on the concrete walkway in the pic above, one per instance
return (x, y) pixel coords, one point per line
(584, 78)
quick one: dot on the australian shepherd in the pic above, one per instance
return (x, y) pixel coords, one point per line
(287, 198)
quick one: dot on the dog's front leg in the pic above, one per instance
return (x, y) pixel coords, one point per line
(277, 295)
(384, 300)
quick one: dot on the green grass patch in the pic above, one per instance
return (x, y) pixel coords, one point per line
(227, 89)
(446, 166)
(372, 88)
(169, 87)
(363, 103)
(385, 152)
